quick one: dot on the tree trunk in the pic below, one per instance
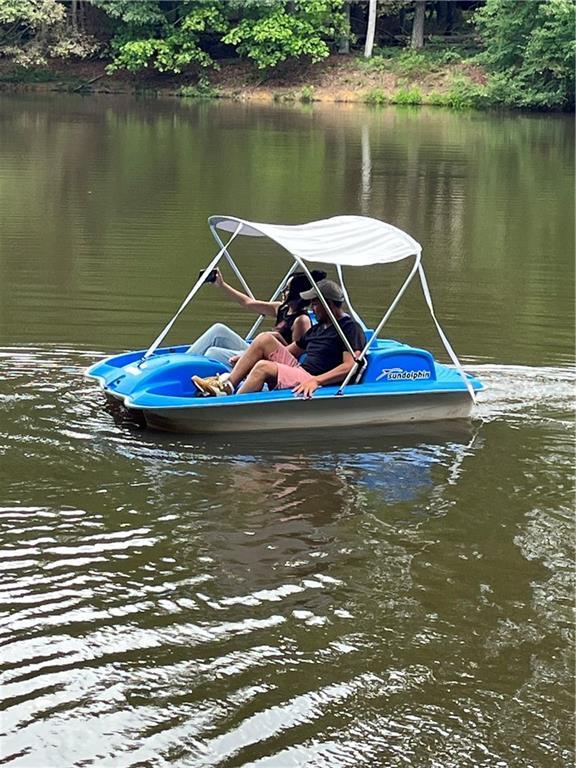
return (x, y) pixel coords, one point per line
(418, 26)
(366, 184)
(371, 30)
(344, 42)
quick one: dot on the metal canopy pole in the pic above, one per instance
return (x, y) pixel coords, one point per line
(230, 260)
(154, 346)
(353, 312)
(391, 308)
(245, 285)
(325, 305)
(447, 346)
(275, 295)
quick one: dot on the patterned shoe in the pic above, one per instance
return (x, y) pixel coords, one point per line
(213, 386)
(212, 379)
(208, 380)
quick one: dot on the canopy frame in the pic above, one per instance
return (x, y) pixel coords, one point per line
(298, 261)
(253, 229)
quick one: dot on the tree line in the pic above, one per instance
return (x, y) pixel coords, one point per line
(526, 46)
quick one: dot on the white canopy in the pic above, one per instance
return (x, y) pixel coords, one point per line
(341, 240)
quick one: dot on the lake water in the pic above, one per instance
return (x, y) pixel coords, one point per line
(373, 598)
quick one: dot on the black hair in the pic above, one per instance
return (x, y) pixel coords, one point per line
(300, 282)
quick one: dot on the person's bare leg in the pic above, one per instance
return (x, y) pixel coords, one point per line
(260, 348)
(264, 372)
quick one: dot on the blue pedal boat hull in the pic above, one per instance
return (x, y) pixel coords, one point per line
(401, 384)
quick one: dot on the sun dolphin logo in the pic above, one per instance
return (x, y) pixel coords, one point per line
(399, 374)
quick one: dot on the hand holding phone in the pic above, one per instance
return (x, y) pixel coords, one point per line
(211, 277)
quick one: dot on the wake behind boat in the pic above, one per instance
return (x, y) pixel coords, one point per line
(390, 382)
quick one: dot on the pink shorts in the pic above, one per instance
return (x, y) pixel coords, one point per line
(290, 372)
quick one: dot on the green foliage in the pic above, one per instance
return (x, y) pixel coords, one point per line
(276, 31)
(35, 13)
(376, 96)
(307, 94)
(464, 94)
(163, 36)
(33, 30)
(407, 96)
(409, 63)
(170, 54)
(33, 75)
(530, 47)
(376, 63)
(151, 34)
(284, 96)
(202, 90)
(143, 14)
(436, 99)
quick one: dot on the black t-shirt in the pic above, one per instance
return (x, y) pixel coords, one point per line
(285, 321)
(324, 346)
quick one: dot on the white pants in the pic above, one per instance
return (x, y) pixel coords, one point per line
(218, 343)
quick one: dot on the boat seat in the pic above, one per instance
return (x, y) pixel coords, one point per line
(369, 333)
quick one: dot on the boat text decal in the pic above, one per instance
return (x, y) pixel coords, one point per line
(398, 374)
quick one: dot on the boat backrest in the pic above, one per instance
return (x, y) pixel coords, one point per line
(369, 333)
(390, 361)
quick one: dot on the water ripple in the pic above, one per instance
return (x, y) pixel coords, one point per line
(352, 600)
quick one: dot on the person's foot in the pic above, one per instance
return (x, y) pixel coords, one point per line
(213, 386)
(211, 379)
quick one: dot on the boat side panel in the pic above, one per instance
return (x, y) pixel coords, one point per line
(313, 414)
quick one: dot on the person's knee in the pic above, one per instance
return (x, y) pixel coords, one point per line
(264, 369)
(260, 340)
(266, 342)
(219, 328)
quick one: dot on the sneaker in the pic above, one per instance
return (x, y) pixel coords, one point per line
(213, 386)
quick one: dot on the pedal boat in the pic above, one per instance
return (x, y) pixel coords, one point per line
(390, 383)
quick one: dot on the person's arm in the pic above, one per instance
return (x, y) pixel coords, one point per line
(335, 376)
(253, 305)
(295, 350)
(278, 336)
(301, 325)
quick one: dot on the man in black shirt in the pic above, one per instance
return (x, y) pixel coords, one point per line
(267, 361)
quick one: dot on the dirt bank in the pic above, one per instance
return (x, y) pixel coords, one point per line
(337, 79)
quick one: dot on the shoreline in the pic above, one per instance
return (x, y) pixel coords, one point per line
(346, 79)
(338, 79)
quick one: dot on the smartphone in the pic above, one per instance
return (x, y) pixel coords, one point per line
(211, 277)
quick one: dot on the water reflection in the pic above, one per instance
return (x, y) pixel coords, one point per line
(396, 461)
(488, 197)
(234, 601)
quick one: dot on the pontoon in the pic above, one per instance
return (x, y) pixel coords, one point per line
(391, 382)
